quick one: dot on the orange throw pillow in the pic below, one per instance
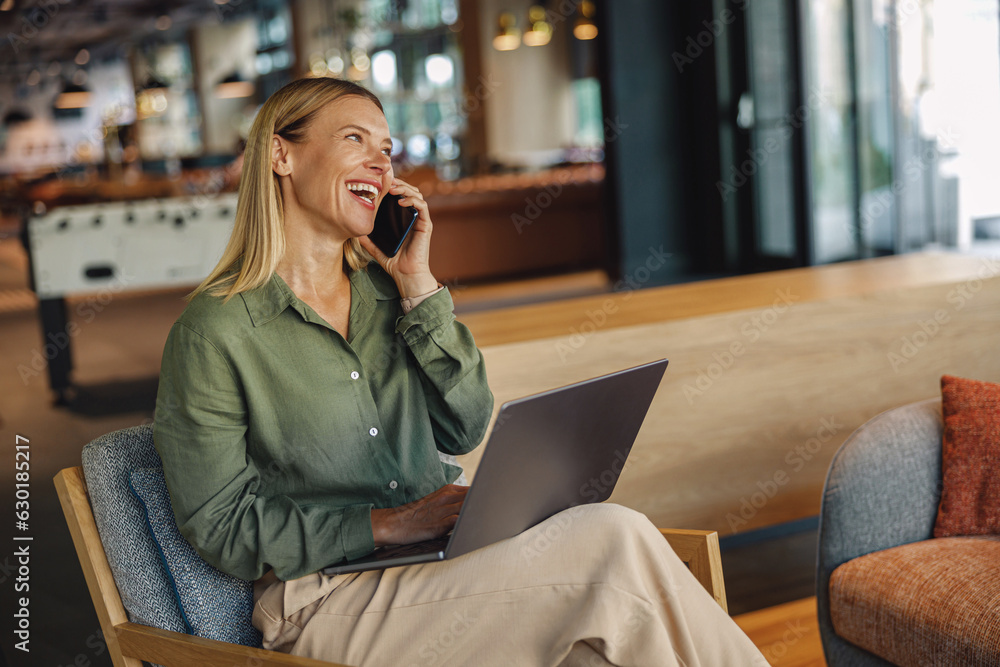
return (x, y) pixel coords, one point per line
(970, 458)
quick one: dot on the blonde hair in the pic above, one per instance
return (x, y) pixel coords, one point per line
(258, 237)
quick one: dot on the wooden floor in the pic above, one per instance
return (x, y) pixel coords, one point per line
(787, 635)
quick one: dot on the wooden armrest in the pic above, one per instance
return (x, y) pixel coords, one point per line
(699, 549)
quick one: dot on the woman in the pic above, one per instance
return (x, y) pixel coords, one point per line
(304, 396)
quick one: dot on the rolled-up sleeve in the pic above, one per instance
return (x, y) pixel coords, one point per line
(453, 372)
(200, 431)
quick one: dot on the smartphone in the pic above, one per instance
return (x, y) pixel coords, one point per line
(392, 224)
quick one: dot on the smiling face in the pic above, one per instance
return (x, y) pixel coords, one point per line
(339, 174)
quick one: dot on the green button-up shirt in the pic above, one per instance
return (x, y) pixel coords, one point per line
(278, 436)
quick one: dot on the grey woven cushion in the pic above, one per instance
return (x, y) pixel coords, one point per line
(215, 605)
(136, 563)
(134, 558)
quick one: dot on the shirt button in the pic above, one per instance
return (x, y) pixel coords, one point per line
(373, 431)
(393, 484)
(355, 375)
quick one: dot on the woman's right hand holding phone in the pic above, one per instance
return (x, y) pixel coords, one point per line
(410, 267)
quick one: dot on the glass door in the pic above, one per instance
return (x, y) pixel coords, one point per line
(770, 113)
(874, 62)
(762, 136)
(832, 133)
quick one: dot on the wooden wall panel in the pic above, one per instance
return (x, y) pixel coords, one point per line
(756, 401)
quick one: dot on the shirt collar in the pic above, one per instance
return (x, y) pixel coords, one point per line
(266, 302)
(378, 284)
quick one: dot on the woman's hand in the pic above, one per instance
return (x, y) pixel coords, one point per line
(424, 519)
(410, 267)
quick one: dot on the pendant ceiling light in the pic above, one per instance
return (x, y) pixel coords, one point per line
(508, 37)
(234, 86)
(585, 28)
(154, 85)
(151, 97)
(539, 30)
(15, 117)
(73, 96)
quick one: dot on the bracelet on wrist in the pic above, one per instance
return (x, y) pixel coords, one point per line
(410, 302)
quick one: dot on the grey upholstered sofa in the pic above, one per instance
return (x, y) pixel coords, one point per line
(928, 601)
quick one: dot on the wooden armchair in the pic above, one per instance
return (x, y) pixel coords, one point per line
(131, 643)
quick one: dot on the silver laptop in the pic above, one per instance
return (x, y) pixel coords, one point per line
(546, 453)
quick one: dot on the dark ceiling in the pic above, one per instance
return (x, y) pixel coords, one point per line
(40, 32)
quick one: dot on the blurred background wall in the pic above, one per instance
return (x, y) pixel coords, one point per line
(741, 136)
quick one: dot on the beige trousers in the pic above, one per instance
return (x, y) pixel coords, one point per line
(593, 585)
